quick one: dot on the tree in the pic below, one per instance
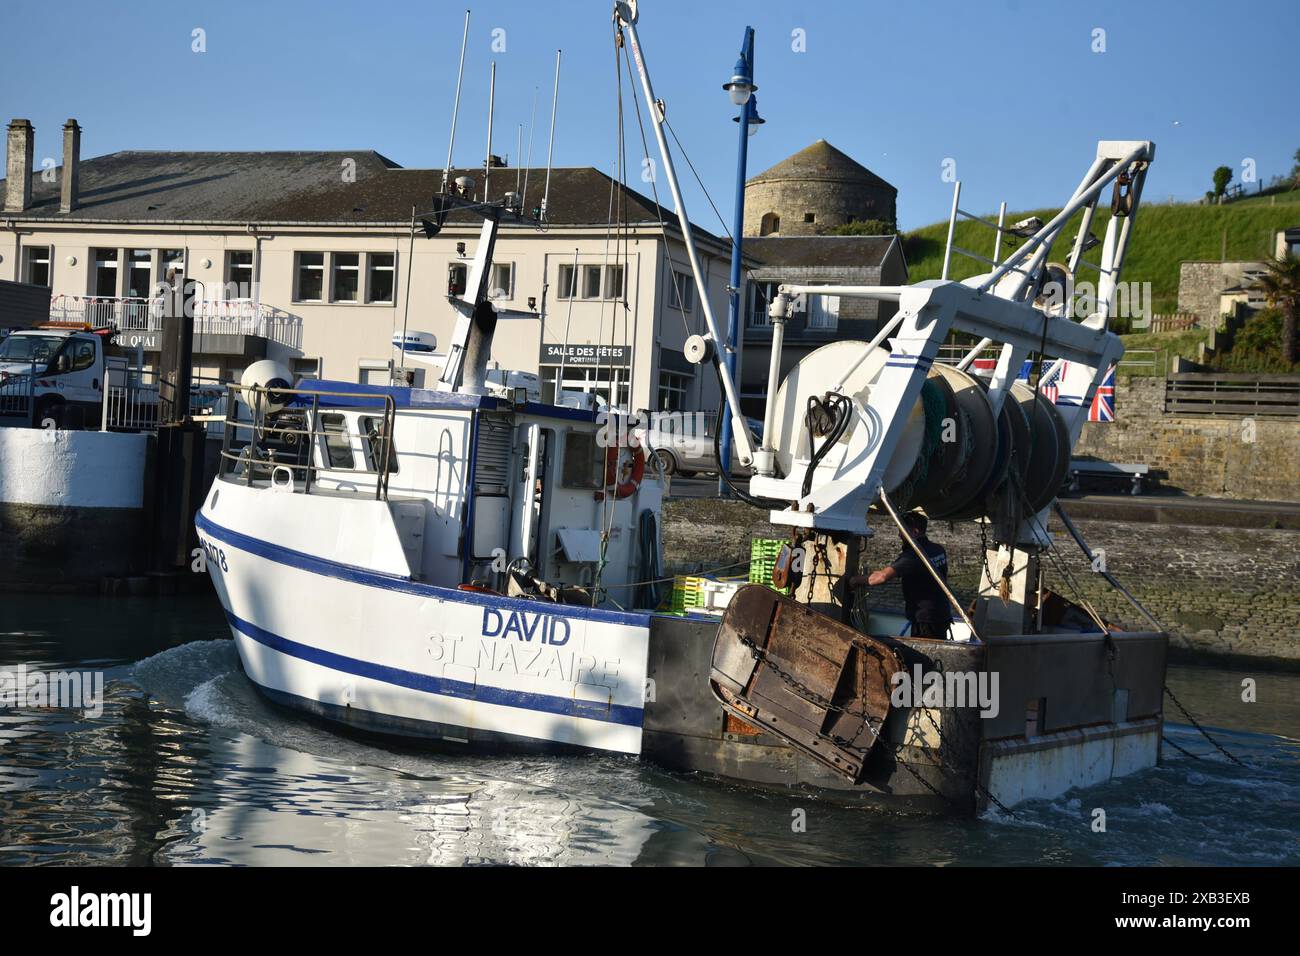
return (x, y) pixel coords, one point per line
(1280, 284)
(1222, 176)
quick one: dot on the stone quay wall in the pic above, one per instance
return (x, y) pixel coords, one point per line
(1223, 457)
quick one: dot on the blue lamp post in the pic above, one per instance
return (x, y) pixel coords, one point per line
(741, 87)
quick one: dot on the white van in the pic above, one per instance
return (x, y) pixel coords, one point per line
(53, 374)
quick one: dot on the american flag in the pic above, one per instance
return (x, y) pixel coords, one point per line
(1052, 374)
(1103, 403)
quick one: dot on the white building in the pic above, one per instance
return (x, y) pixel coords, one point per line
(308, 257)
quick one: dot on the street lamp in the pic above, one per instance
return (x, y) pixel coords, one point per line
(755, 121)
(741, 84)
(741, 89)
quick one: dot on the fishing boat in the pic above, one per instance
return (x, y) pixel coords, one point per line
(483, 570)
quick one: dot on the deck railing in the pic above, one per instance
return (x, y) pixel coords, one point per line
(282, 444)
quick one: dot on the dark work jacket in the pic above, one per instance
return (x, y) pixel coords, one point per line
(923, 598)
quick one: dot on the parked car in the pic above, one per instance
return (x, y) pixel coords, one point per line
(684, 446)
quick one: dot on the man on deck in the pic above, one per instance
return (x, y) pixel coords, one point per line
(925, 603)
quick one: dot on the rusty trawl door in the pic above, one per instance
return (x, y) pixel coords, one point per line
(816, 683)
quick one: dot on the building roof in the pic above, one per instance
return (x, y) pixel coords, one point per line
(143, 186)
(823, 162)
(807, 252)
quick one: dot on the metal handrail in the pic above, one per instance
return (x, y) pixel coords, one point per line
(259, 429)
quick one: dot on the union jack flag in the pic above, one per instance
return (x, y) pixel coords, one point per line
(1103, 403)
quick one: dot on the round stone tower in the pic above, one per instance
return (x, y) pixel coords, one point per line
(812, 192)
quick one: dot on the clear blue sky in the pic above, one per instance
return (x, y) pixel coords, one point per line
(1010, 89)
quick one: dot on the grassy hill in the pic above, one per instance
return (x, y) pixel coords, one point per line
(1163, 237)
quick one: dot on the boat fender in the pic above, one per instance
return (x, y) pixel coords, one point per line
(626, 485)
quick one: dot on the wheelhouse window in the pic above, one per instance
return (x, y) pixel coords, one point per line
(380, 279)
(338, 443)
(37, 269)
(106, 272)
(681, 291)
(372, 431)
(310, 268)
(346, 276)
(239, 273)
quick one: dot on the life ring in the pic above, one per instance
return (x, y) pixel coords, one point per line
(636, 467)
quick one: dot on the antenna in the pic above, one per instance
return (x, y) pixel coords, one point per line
(550, 150)
(455, 110)
(528, 165)
(519, 154)
(492, 93)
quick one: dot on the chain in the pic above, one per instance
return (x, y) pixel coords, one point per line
(1181, 750)
(808, 694)
(979, 788)
(1204, 733)
(805, 692)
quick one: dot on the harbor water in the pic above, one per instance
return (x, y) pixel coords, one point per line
(186, 764)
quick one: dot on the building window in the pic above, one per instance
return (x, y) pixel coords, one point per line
(810, 217)
(345, 276)
(589, 380)
(672, 391)
(381, 276)
(310, 267)
(173, 264)
(823, 311)
(106, 272)
(681, 292)
(37, 269)
(239, 274)
(568, 282)
(771, 223)
(760, 297)
(502, 285)
(457, 278)
(139, 268)
(614, 282)
(591, 282)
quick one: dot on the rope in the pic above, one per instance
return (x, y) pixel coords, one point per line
(1110, 579)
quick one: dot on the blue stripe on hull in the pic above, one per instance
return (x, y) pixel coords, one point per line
(394, 582)
(482, 693)
(390, 725)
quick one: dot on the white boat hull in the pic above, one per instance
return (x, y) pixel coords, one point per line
(383, 652)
